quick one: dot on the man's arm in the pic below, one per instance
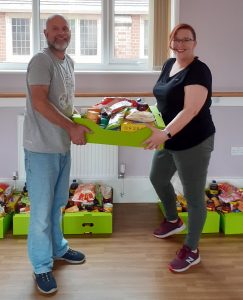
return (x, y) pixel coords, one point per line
(40, 102)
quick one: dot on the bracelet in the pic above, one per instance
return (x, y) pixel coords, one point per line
(167, 133)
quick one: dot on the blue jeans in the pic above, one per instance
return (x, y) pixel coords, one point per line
(47, 178)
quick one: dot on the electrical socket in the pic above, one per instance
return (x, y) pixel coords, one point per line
(236, 150)
(122, 170)
(15, 175)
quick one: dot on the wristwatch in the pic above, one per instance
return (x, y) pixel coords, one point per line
(167, 133)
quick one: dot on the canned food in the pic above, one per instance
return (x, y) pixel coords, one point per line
(108, 207)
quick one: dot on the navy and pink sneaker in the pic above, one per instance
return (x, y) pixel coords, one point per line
(185, 258)
(167, 228)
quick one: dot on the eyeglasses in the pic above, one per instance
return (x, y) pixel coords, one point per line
(183, 41)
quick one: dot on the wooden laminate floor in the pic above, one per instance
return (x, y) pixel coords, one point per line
(130, 265)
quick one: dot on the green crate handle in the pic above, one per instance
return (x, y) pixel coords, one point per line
(88, 224)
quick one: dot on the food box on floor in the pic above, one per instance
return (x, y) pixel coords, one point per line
(87, 222)
(5, 223)
(21, 224)
(211, 225)
(231, 223)
(120, 138)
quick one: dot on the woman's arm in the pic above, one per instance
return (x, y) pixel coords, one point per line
(195, 97)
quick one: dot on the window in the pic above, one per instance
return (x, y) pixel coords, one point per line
(71, 47)
(145, 38)
(106, 34)
(124, 38)
(43, 43)
(20, 36)
(128, 37)
(88, 37)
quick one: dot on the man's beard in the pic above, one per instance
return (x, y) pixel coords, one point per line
(57, 46)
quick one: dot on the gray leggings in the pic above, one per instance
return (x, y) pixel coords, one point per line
(192, 166)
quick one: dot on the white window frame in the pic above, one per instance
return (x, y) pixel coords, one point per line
(142, 21)
(128, 64)
(9, 41)
(106, 49)
(87, 58)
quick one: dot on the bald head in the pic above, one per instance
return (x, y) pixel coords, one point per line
(57, 34)
(52, 19)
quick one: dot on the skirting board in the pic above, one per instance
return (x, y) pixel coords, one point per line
(135, 189)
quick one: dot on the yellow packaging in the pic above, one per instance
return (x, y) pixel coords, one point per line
(131, 126)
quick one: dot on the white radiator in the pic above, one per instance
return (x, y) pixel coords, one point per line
(92, 161)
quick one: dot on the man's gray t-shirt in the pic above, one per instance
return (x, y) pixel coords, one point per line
(40, 135)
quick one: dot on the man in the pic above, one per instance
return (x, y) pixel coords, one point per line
(48, 131)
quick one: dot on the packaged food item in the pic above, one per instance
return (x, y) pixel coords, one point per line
(133, 126)
(73, 187)
(109, 101)
(119, 106)
(104, 119)
(106, 192)
(240, 207)
(73, 208)
(5, 188)
(94, 108)
(84, 193)
(93, 116)
(142, 105)
(116, 120)
(108, 207)
(229, 193)
(140, 116)
(213, 188)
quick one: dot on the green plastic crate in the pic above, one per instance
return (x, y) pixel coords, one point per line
(212, 223)
(5, 223)
(21, 224)
(120, 138)
(87, 222)
(231, 223)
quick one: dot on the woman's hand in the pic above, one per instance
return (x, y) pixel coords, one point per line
(157, 138)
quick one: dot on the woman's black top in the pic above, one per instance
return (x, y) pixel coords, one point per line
(169, 92)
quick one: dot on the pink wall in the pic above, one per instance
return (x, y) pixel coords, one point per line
(8, 141)
(228, 121)
(229, 124)
(219, 26)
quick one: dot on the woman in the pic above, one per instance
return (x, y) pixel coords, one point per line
(183, 92)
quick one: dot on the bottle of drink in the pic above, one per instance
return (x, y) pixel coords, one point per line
(213, 188)
(142, 105)
(104, 119)
(25, 191)
(73, 187)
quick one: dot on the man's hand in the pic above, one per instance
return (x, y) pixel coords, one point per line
(77, 134)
